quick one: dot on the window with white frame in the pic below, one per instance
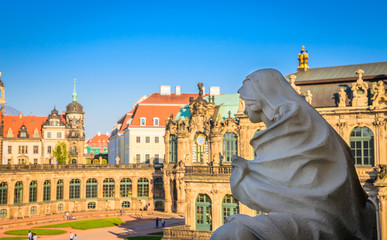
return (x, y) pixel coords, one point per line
(157, 139)
(142, 121)
(147, 158)
(155, 121)
(147, 139)
(138, 139)
(138, 158)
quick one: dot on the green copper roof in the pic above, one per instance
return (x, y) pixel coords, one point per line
(226, 102)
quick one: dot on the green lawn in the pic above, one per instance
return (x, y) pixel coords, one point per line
(156, 233)
(13, 238)
(88, 224)
(37, 231)
(144, 238)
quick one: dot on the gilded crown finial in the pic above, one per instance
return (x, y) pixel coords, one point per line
(303, 58)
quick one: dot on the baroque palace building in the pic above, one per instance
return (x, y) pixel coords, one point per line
(198, 143)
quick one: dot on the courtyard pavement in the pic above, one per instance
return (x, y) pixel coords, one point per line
(132, 226)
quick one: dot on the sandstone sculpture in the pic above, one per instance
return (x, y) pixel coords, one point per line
(303, 176)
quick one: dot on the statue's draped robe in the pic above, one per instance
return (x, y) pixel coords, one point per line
(303, 175)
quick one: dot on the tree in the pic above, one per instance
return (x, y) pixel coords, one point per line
(60, 153)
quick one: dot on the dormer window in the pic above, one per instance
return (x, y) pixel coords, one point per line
(142, 121)
(155, 121)
(23, 132)
(36, 133)
(10, 133)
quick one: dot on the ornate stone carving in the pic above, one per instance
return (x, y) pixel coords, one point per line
(359, 91)
(342, 97)
(308, 97)
(293, 84)
(380, 98)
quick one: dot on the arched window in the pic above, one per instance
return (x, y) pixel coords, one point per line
(203, 213)
(91, 188)
(3, 213)
(74, 149)
(33, 191)
(230, 206)
(33, 210)
(126, 187)
(362, 146)
(91, 205)
(18, 198)
(172, 148)
(75, 189)
(74, 161)
(47, 191)
(59, 190)
(158, 188)
(200, 148)
(108, 188)
(3, 193)
(230, 146)
(125, 204)
(142, 187)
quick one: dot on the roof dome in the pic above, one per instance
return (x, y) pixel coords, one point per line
(10, 111)
(74, 107)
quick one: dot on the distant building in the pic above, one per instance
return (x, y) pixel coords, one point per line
(97, 145)
(32, 139)
(138, 137)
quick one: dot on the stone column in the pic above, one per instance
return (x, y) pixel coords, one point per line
(181, 198)
(168, 198)
(382, 217)
(82, 195)
(39, 193)
(117, 193)
(11, 193)
(191, 211)
(216, 204)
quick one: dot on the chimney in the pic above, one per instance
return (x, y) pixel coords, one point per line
(178, 90)
(204, 91)
(214, 91)
(20, 115)
(99, 133)
(165, 90)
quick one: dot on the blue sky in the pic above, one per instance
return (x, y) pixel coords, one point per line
(122, 50)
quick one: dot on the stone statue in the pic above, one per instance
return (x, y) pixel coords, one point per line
(380, 98)
(342, 97)
(293, 84)
(308, 97)
(303, 176)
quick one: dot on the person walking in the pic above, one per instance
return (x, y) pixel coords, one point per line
(121, 211)
(163, 223)
(75, 237)
(71, 236)
(34, 236)
(29, 235)
(157, 222)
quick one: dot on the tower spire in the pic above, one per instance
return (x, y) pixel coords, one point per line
(74, 93)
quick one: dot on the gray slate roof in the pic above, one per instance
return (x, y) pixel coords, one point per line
(346, 71)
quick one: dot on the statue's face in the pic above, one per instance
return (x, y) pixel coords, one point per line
(254, 111)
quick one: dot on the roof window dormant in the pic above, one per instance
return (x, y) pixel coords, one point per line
(142, 121)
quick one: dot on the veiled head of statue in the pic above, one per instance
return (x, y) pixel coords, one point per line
(265, 91)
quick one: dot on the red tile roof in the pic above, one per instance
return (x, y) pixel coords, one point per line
(31, 123)
(155, 106)
(102, 138)
(156, 98)
(150, 112)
